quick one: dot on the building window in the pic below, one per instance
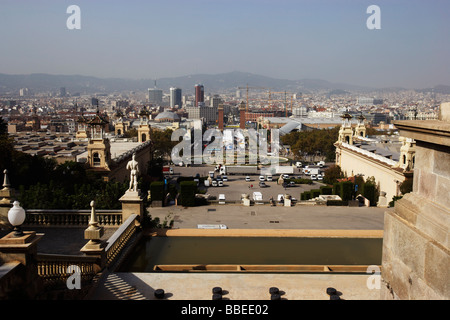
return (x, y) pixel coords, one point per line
(96, 159)
(143, 137)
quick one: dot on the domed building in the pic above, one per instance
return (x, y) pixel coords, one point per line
(167, 116)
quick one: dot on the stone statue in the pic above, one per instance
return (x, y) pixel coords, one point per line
(133, 165)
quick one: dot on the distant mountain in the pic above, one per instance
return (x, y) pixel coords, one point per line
(213, 83)
(443, 89)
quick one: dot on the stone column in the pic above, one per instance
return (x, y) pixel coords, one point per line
(23, 250)
(246, 200)
(416, 254)
(132, 203)
(6, 196)
(287, 200)
(94, 233)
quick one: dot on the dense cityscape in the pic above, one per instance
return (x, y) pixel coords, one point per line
(225, 185)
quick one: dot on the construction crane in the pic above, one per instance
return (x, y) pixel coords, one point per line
(285, 99)
(247, 88)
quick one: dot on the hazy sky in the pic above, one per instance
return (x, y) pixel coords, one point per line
(278, 38)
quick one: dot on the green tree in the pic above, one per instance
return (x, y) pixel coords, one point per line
(332, 174)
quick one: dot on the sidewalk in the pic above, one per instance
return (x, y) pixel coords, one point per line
(198, 286)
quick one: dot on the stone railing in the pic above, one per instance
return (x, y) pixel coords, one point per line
(120, 238)
(76, 218)
(54, 268)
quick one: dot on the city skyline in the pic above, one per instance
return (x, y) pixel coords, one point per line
(284, 39)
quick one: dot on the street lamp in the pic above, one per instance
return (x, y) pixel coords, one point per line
(16, 216)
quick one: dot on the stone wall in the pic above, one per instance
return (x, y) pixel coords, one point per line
(416, 255)
(353, 163)
(118, 166)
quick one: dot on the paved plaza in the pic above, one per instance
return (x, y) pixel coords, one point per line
(236, 216)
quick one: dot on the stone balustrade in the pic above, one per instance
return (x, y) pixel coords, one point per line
(54, 268)
(76, 218)
(120, 238)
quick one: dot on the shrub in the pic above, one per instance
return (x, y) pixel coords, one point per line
(157, 191)
(187, 193)
(346, 190)
(305, 195)
(337, 188)
(315, 193)
(369, 192)
(326, 190)
(337, 203)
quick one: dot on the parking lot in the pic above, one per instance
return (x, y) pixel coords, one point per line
(236, 185)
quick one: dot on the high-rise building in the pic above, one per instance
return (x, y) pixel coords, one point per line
(155, 96)
(215, 101)
(94, 102)
(175, 98)
(199, 94)
(62, 92)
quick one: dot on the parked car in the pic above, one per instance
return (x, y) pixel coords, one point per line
(214, 183)
(319, 177)
(247, 178)
(262, 184)
(220, 183)
(269, 178)
(313, 177)
(262, 178)
(292, 184)
(224, 178)
(285, 176)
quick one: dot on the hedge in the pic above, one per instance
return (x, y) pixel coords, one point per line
(305, 195)
(369, 192)
(337, 203)
(337, 188)
(326, 190)
(157, 191)
(187, 193)
(346, 190)
(315, 193)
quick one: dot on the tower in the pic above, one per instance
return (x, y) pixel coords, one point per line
(175, 98)
(346, 132)
(199, 94)
(99, 149)
(242, 115)
(220, 116)
(407, 154)
(36, 122)
(119, 127)
(360, 130)
(82, 132)
(144, 127)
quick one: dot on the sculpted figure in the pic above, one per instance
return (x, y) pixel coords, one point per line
(133, 165)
